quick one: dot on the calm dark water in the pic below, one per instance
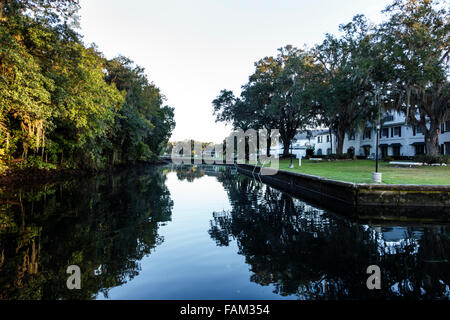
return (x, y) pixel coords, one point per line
(204, 233)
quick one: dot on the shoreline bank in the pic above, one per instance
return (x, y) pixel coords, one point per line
(29, 176)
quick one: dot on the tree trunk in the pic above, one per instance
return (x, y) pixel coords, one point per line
(331, 142)
(340, 141)
(2, 6)
(114, 157)
(432, 138)
(247, 149)
(286, 145)
(269, 142)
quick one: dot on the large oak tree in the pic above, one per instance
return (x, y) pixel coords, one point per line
(416, 42)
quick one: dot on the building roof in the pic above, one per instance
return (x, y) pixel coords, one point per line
(392, 124)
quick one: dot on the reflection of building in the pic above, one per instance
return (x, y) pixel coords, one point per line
(398, 233)
(396, 139)
(391, 239)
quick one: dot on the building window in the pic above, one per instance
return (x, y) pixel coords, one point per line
(319, 139)
(420, 149)
(351, 135)
(367, 134)
(366, 151)
(328, 138)
(385, 132)
(398, 131)
(445, 126)
(319, 152)
(388, 118)
(396, 151)
(417, 130)
(447, 148)
(329, 151)
(384, 151)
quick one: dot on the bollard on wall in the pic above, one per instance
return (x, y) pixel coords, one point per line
(376, 177)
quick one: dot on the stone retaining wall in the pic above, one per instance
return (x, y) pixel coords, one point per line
(364, 201)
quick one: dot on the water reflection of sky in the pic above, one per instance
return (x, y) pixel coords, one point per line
(196, 233)
(189, 265)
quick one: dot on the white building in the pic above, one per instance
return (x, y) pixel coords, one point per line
(396, 139)
(300, 143)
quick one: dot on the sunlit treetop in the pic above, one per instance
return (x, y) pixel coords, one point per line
(54, 11)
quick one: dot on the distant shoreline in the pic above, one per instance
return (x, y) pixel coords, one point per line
(30, 176)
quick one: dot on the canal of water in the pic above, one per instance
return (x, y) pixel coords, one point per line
(204, 232)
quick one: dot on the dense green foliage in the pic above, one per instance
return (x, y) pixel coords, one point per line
(277, 96)
(64, 104)
(415, 56)
(347, 81)
(346, 92)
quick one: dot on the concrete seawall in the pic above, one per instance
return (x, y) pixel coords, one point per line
(364, 201)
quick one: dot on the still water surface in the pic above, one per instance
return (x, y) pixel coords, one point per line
(204, 233)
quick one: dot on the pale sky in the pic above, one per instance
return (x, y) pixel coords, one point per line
(193, 49)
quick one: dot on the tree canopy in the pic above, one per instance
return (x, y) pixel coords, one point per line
(63, 103)
(277, 96)
(416, 48)
(346, 81)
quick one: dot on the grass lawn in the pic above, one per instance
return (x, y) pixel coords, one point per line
(360, 171)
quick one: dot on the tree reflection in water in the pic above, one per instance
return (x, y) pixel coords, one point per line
(314, 254)
(108, 223)
(191, 172)
(104, 224)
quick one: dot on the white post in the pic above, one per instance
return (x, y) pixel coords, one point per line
(376, 177)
